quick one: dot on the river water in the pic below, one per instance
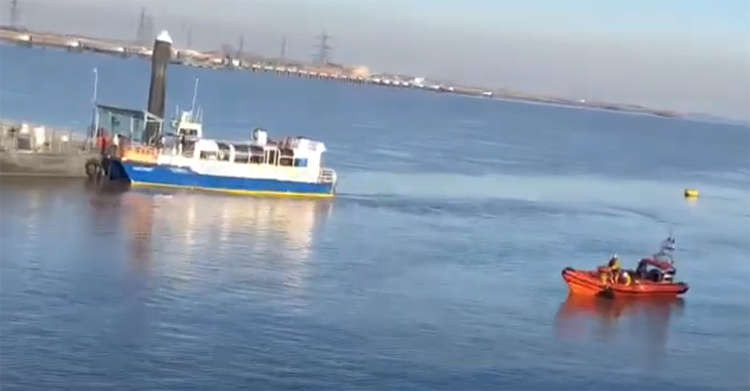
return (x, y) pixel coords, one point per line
(436, 267)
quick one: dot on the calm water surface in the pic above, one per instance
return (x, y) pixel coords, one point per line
(436, 267)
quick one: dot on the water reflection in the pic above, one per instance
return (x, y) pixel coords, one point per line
(640, 323)
(233, 221)
(183, 227)
(28, 216)
(140, 225)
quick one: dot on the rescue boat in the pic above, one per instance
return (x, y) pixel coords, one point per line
(654, 277)
(590, 283)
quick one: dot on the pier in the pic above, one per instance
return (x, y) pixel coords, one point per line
(34, 150)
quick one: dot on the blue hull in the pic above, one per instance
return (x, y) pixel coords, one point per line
(170, 176)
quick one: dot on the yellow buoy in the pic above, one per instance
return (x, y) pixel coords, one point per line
(692, 193)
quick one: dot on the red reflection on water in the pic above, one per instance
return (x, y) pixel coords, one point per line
(139, 227)
(640, 320)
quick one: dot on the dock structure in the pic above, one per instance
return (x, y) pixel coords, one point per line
(33, 150)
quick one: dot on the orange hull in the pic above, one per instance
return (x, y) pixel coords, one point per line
(589, 283)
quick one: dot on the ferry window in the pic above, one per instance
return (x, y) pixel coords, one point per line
(257, 155)
(208, 155)
(114, 120)
(188, 132)
(240, 157)
(188, 148)
(271, 157)
(223, 151)
(137, 129)
(300, 162)
(286, 157)
(241, 153)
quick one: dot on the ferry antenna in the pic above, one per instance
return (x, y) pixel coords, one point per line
(195, 94)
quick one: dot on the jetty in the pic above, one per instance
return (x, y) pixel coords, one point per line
(28, 149)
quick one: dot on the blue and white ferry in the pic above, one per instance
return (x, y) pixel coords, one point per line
(135, 148)
(291, 166)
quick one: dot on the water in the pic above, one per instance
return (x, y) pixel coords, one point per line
(436, 267)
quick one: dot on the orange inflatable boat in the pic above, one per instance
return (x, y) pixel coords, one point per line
(590, 283)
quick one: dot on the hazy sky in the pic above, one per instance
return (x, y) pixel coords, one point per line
(692, 56)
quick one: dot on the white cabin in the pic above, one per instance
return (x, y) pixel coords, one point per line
(189, 125)
(292, 158)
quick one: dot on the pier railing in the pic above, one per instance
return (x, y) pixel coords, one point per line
(25, 137)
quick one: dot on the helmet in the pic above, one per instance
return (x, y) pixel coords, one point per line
(614, 262)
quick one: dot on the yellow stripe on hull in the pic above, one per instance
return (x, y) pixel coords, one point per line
(257, 193)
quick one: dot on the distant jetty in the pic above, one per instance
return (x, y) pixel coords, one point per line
(327, 71)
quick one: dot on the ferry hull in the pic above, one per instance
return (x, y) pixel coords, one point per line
(180, 177)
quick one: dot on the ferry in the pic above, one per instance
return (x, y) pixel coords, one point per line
(291, 166)
(135, 148)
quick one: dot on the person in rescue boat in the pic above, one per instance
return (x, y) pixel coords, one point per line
(607, 273)
(613, 272)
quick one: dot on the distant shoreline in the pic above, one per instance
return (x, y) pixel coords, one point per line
(217, 60)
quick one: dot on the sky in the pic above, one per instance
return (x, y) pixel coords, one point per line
(686, 55)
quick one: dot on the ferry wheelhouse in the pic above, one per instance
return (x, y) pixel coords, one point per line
(145, 156)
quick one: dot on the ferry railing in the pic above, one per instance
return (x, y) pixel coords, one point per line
(327, 175)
